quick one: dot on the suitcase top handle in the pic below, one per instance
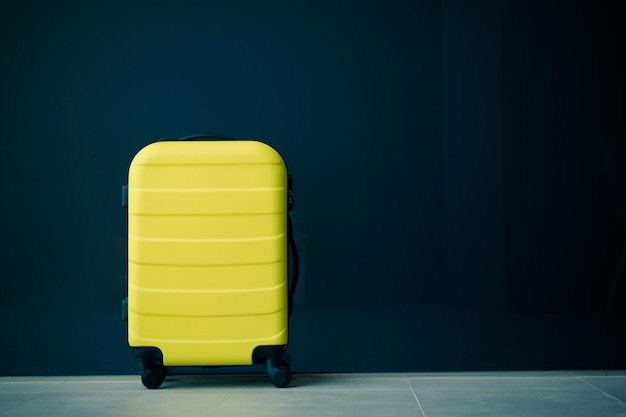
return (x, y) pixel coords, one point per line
(202, 136)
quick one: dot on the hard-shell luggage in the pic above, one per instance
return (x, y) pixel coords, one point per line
(208, 234)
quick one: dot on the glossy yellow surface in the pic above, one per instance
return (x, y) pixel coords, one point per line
(207, 251)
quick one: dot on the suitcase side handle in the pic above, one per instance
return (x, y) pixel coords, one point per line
(295, 269)
(125, 195)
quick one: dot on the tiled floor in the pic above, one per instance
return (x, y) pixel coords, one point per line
(553, 394)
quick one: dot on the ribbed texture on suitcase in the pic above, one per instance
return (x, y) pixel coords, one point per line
(207, 251)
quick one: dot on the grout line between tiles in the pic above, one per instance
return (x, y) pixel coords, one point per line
(217, 404)
(416, 399)
(232, 387)
(602, 391)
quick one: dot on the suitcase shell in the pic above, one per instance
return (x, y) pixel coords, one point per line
(207, 251)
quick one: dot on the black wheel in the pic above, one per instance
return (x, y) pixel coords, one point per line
(153, 375)
(279, 372)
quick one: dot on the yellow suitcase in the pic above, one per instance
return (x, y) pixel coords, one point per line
(208, 257)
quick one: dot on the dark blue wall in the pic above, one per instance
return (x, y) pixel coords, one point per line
(457, 169)
(564, 152)
(473, 142)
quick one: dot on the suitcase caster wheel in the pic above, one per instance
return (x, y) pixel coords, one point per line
(279, 372)
(153, 376)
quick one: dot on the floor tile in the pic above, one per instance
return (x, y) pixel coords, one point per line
(157, 403)
(349, 403)
(552, 394)
(552, 397)
(329, 382)
(29, 385)
(613, 386)
(496, 383)
(12, 400)
(133, 384)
